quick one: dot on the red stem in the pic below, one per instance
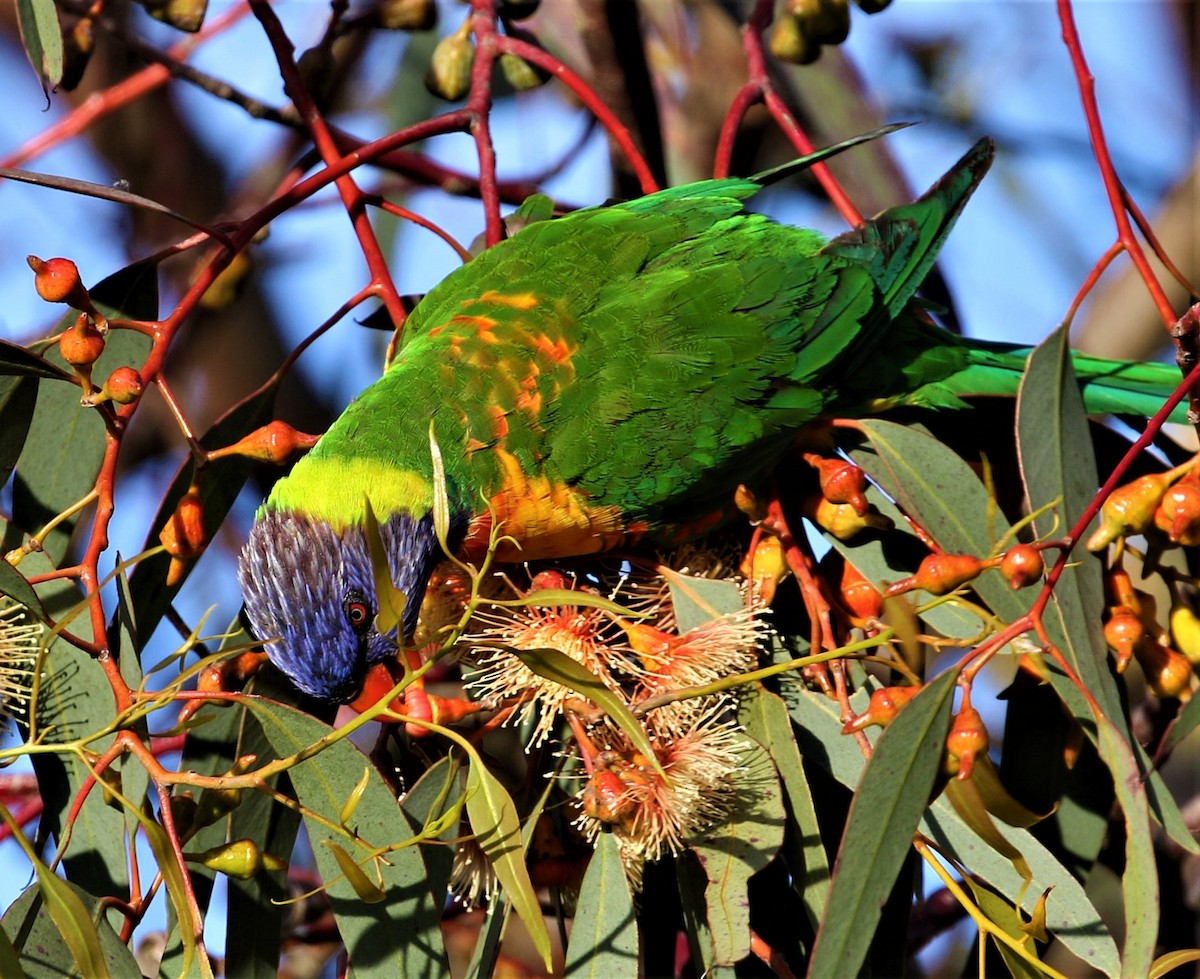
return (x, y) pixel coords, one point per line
(1112, 183)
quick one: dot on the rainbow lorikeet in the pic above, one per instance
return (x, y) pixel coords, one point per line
(609, 376)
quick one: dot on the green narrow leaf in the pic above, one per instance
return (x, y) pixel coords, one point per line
(42, 38)
(1173, 960)
(17, 361)
(441, 499)
(697, 601)
(736, 849)
(1057, 460)
(18, 399)
(391, 600)
(887, 808)
(42, 951)
(1070, 914)
(322, 783)
(1000, 912)
(15, 586)
(68, 912)
(765, 717)
(547, 597)
(10, 961)
(692, 884)
(255, 916)
(365, 888)
(493, 818)
(559, 667)
(1139, 882)
(604, 934)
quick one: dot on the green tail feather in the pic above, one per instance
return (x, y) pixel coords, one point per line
(1108, 386)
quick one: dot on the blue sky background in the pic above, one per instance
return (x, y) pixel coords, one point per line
(1013, 264)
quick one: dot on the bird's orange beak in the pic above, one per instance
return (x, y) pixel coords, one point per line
(378, 682)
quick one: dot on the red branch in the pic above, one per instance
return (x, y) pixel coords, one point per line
(1112, 183)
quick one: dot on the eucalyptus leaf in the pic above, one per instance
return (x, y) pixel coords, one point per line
(604, 934)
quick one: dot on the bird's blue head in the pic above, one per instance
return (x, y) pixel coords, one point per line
(311, 589)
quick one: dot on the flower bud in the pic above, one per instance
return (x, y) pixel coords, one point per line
(549, 580)
(1185, 631)
(241, 859)
(825, 21)
(841, 481)
(861, 598)
(520, 74)
(57, 281)
(1178, 515)
(215, 804)
(275, 442)
(1168, 673)
(766, 566)
(844, 522)
(82, 344)
(884, 705)
(788, 41)
(1129, 510)
(939, 574)
(183, 537)
(449, 75)
(1022, 565)
(124, 386)
(183, 15)
(1123, 631)
(746, 500)
(407, 15)
(183, 813)
(968, 738)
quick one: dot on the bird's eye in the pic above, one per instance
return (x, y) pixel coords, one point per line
(358, 613)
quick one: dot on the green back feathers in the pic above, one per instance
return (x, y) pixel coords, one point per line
(650, 354)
